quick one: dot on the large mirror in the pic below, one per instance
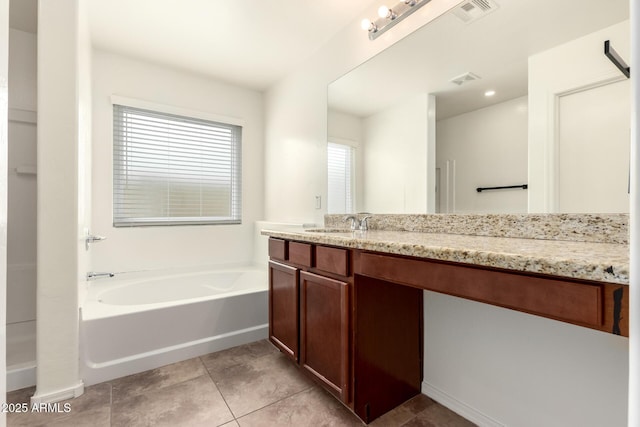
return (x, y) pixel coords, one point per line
(417, 128)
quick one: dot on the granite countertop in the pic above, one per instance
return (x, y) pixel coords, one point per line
(604, 262)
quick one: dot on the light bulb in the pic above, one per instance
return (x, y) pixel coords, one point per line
(365, 24)
(383, 11)
(490, 93)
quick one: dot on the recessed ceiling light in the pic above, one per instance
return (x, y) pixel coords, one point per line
(490, 93)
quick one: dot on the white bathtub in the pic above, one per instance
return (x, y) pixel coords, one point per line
(139, 321)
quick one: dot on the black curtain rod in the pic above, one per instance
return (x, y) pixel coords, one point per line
(481, 189)
(615, 58)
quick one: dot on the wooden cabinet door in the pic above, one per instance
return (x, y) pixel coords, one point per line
(283, 308)
(324, 331)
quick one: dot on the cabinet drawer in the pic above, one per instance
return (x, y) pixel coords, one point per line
(278, 249)
(300, 253)
(332, 260)
(567, 300)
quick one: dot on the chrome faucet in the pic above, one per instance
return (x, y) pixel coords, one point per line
(93, 275)
(356, 224)
(364, 223)
(89, 238)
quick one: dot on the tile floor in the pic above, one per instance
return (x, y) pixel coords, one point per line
(249, 385)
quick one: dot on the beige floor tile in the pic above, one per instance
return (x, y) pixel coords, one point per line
(19, 419)
(221, 360)
(313, 407)
(165, 376)
(438, 416)
(100, 417)
(94, 398)
(21, 396)
(257, 383)
(260, 382)
(191, 403)
(404, 413)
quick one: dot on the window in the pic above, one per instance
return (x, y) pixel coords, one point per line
(340, 172)
(171, 170)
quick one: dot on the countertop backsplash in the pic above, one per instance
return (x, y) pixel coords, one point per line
(594, 228)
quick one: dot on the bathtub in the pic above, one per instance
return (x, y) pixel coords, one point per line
(139, 321)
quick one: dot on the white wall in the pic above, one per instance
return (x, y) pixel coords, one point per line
(593, 149)
(295, 139)
(572, 66)
(59, 67)
(296, 115)
(4, 78)
(489, 147)
(395, 158)
(344, 128)
(137, 248)
(21, 238)
(85, 141)
(22, 70)
(521, 370)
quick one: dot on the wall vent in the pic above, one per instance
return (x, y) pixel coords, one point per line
(464, 78)
(472, 10)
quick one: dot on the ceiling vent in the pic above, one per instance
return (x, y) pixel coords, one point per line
(464, 78)
(472, 10)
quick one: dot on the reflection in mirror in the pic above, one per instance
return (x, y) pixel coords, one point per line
(340, 177)
(429, 132)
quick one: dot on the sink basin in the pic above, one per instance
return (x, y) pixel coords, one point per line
(329, 230)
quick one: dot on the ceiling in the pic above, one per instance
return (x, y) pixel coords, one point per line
(256, 43)
(250, 43)
(496, 47)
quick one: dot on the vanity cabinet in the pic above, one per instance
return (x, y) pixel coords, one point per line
(360, 338)
(283, 308)
(310, 310)
(353, 319)
(324, 331)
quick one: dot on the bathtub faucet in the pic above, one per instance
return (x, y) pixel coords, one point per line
(90, 238)
(93, 275)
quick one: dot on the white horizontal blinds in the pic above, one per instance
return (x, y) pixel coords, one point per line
(170, 170)
(340, 178)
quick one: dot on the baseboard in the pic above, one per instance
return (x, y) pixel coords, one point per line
(58, 395)
(459, 407)
(22, 377)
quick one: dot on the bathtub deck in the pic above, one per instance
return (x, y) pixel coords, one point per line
(249, 385)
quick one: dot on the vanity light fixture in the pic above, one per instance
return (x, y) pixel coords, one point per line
(385, 12)
(367, 25)
(388, 17)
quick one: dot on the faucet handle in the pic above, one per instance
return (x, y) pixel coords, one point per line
(364, 224)
(354, 221)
